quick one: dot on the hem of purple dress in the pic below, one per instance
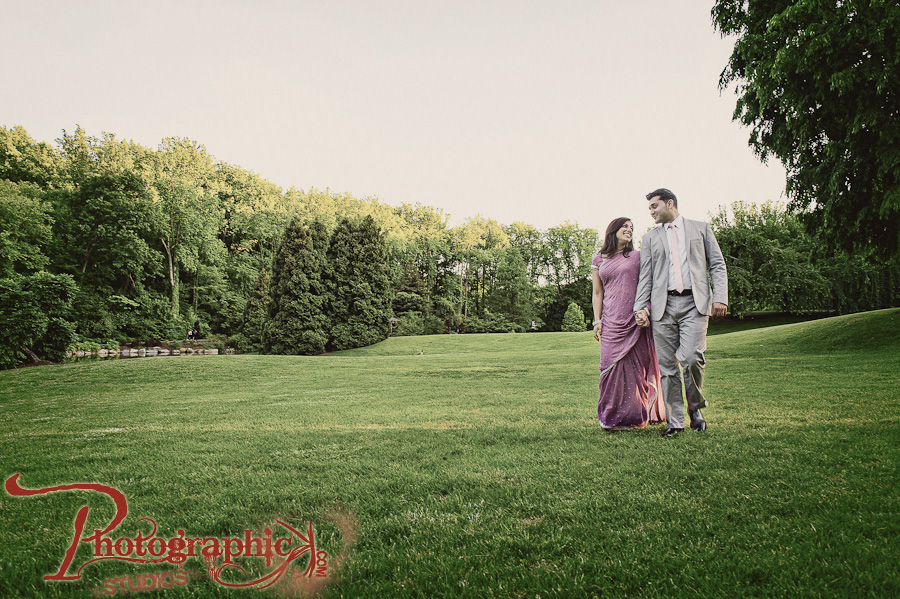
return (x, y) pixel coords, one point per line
(651, 381)
(621, 427)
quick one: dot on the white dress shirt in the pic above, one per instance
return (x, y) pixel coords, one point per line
(682, 252)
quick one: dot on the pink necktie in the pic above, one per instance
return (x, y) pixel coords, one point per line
(676, 258)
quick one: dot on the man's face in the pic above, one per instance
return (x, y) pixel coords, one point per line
(662, 212)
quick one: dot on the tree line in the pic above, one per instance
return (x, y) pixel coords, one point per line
(105, 239)
(776, 264)
(154, 242)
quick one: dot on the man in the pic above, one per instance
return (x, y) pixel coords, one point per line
(683, 278)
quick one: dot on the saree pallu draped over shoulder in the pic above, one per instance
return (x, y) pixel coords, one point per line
(630, 393)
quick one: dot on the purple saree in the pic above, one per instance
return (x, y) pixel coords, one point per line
(630, 392)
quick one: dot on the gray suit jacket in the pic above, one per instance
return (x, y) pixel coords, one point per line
(709, 278)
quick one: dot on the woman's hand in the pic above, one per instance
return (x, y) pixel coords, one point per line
(643, 318)
(597, 328)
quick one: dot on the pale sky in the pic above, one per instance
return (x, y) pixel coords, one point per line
(530, 110)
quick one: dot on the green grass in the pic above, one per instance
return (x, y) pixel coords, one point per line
(477, 469)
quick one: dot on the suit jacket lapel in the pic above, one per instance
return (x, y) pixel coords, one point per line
(688, 232)
(664, 239)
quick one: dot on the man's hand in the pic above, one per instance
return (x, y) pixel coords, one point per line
(719, 311)
(643, 318)
(597, 328)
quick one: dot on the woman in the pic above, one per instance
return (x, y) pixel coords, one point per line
(630, 392)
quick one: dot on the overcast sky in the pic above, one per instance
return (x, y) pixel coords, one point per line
(528, 110)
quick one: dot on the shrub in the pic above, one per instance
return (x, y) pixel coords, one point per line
(573, 320)
(33, 317)
(434, 325)
(491, 323)
(409, 302)
(410, 323)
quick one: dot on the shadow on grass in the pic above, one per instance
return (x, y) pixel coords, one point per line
(760, 320)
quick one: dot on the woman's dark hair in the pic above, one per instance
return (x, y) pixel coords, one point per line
(610, 243)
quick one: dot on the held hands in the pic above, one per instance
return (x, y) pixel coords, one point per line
(719, 311)
(643, 318)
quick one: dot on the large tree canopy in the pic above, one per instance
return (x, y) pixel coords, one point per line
(818, 81)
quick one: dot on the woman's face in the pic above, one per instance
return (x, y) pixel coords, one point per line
(625, 233)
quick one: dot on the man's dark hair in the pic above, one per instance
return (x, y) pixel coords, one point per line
(664, 194)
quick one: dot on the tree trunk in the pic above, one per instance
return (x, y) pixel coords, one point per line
(31, 355)
(173, 279)
(86, 259)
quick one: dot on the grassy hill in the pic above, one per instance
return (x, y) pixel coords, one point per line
(852, 333)
(473, 466)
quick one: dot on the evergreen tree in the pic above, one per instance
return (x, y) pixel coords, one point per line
(361, 286)
(256, 313)
(573, 321)
(298, 324)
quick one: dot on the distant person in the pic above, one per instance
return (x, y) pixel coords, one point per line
(629, 375)
(533, 328)
(684, 280)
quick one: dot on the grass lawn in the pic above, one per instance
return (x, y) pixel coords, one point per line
(478, 468)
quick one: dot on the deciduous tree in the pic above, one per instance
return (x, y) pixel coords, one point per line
(568, 253)
(25, 228)
(770, 260)
(33, 318)
(24, 160)
(819, 85)
(512, 293)
(188, 213)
